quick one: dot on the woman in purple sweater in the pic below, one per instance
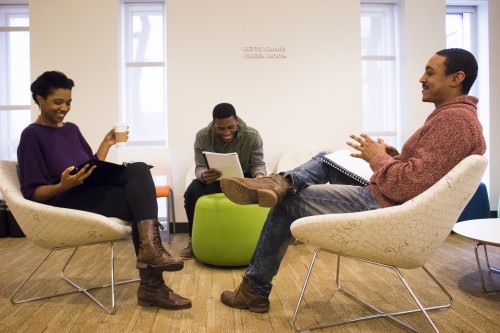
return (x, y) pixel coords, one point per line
(48, 152)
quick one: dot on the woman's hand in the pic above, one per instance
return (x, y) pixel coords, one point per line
(67, 182)
(108, 141)
(110, 138)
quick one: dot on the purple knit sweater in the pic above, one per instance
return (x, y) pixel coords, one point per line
(44, 152)
(450, 133)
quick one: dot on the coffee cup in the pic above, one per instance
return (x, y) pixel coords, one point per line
(121, 134)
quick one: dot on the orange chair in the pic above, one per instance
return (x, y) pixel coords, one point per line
(165, 191)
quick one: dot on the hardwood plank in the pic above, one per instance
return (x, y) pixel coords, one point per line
(454, 265)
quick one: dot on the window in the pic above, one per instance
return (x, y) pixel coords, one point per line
(380, 72)
(143, 101)
(467, 28)
(15, 105)
(460, 29)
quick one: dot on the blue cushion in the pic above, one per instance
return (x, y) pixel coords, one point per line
(478, 207)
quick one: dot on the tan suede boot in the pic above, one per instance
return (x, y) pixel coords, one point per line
(151, 251)
(153, 292)
(245, 298)
(265, 191)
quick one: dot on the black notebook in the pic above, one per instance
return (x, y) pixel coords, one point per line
(356, 168)
(103, 170)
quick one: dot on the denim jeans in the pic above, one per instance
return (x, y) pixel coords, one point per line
(319, 189)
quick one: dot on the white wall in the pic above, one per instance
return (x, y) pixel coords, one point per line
(494, 114)
(311, 98)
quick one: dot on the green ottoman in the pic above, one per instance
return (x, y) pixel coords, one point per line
(224, 233)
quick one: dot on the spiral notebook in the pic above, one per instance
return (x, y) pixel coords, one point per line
(356, 168)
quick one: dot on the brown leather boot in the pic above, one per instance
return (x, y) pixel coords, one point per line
(245, 298)
(265, 191)
(153, 292)
(151, 251)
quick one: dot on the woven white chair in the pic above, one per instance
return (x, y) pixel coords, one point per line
(403, 236)
(60, 228)
(294, 157)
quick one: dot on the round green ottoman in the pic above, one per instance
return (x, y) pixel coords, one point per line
(225, 233)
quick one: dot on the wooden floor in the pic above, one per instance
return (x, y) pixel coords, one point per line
(454, 265)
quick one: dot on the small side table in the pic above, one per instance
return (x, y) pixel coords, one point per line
(486, 232)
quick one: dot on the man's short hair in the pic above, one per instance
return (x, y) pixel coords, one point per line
(460, 60)
(223, 110)
(49, 81)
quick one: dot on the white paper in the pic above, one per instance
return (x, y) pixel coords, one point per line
(228, 164)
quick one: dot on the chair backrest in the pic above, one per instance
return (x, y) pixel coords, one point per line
(190, 175)
(478, 206)
(294, 157)
(51, 227)
(406, 235)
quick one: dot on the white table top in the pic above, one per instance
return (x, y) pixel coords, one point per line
(486, 231)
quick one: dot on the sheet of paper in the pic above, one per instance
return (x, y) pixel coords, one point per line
(229, 163)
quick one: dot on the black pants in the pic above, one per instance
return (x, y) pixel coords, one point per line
(129, 195)
(196, 190)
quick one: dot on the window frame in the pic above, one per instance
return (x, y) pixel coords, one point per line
(12, 113)
(127, 83)
(393, 135)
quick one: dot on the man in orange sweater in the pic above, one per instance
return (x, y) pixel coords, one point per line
(450, 133)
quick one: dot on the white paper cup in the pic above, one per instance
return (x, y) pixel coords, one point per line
(121, 134)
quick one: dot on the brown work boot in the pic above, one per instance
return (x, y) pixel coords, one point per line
(265, 191)
(245, 298)
(153, 292)
(151, 251)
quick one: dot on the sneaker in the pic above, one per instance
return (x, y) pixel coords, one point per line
(187, 252)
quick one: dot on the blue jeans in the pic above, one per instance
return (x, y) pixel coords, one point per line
(319, 189)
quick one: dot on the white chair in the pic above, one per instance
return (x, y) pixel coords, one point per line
(59, 228)
(403, 236)
(190, 175)
(294, 157)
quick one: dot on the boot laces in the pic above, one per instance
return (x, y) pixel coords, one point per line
(157, 239)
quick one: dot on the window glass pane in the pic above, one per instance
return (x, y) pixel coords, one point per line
(15, 98)
(145, 103)
(147, 27)
(377, 30)
(458, 29)
(144, 33)
(143, 72)
(19, 71)
(379, 100)
(17, 20)
(379, 71)
(13, 122)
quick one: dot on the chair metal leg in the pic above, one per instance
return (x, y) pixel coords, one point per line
(490, 269)
(167, 201)
(171, 210)
(78, 288)
(379, 313)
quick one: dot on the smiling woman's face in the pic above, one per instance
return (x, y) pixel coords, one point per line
(54, 108)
